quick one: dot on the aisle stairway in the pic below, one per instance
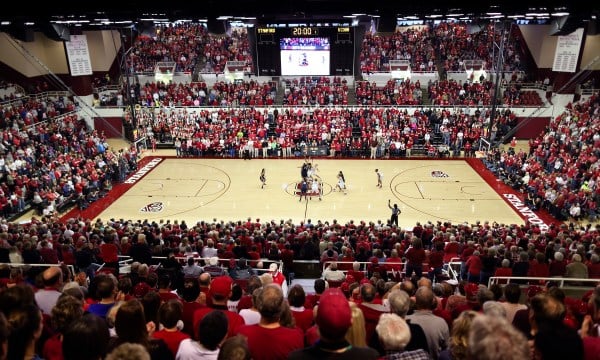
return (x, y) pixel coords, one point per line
(352, 95)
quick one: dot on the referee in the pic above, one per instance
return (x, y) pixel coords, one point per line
(395, 211)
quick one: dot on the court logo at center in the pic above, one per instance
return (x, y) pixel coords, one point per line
(154, 207)
(439, 174)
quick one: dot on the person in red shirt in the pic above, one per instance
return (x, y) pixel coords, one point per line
(170, 316)
(474, 266)
(219, 293)
(110, 255)
(268, 340)
(278, 277)
(415, 255)
(304, 316)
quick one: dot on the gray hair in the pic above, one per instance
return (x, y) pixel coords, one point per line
(399, 301)
(494, 308)
(558, 256)
(393, 332)
(494, 338)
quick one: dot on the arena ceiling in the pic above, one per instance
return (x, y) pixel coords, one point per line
(292, 10)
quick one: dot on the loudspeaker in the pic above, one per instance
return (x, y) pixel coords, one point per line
(215, 26)
(56, 32)
(387, 24)
(563, 25)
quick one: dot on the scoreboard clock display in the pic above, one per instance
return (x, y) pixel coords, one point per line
(304, 31)
(299, 31)
(304, 50)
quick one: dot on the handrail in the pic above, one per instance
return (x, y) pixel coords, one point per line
(561, 280)
(70, 267)
(325, 263)
(183, 260)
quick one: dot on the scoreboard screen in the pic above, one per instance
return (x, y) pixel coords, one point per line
(305, 50)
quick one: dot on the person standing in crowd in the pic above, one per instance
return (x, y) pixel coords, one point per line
(263, 178)
(380, 180)
(395, 212)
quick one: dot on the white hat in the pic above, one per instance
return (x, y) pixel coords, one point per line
(213, 260)
(273, 267)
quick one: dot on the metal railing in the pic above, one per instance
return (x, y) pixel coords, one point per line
(70, 267)
(560, 281)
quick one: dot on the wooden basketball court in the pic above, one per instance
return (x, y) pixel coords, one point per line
(226, 189)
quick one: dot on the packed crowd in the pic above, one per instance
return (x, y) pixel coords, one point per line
(460, 41)
(412, 44)
(316, 91)
(188, 45)
(345, 132)
(447, 44)
(221, 93)
(392, 93)
(50, 158)
(561, 171)
(199, 290)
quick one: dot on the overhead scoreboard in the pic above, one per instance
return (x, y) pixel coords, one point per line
(305, 50)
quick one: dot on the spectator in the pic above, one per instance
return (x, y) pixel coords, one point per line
(459, 337)
(66, 311)
(435, 328)
(296, 298)
(129, 351)
(356, 334)
(105, 292)
(86, 339)
(331, 273)
(491, 337)
(219, 293)
(47, 297)
(334, 318)
(25, 323)
(512, 295)
(212, 332)
(131, 326)
(235, 348)
(399, 303)
(576, 269)
(371, 311)
(268, 339)
(394, 334)
(170, 316)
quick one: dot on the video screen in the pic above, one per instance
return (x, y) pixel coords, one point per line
(304, 56)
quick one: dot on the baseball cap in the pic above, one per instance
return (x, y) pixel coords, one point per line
(273, 267)
(334, 315)
(221, 286)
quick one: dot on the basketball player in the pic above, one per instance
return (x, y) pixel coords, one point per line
(379, 178)
(315, 189)
(341, 182)
(263, 179)
(303, 190)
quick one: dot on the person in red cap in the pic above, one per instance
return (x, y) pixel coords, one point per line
(219, 293)
(334, 318)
